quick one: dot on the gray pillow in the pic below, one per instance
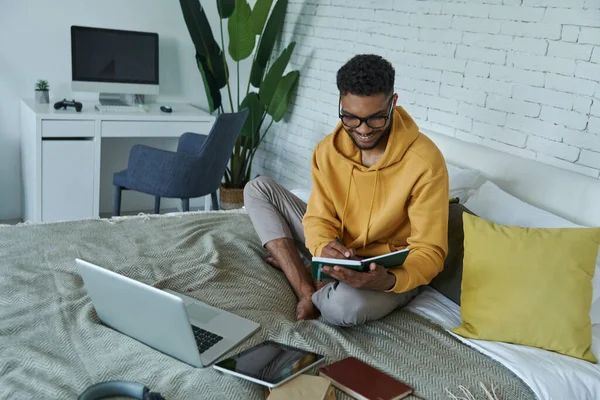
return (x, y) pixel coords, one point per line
(449, 281)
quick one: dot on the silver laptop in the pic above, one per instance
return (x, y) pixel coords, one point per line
(172, 323)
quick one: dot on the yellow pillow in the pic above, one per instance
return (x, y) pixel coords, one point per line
(529, 286)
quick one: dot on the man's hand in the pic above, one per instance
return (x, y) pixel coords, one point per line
(377, 278)
(334, 249)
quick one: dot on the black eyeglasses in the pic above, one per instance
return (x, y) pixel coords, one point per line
(373, 122)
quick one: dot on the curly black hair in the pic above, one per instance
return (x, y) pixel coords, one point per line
(366, 75)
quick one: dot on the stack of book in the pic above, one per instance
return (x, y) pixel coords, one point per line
(350, 375)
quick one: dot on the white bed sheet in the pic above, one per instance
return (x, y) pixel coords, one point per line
(550, 375)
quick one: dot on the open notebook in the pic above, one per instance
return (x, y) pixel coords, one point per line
(389, 260)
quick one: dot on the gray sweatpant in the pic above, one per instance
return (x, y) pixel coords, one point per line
(277, 213)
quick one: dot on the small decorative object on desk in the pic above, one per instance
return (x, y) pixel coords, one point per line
(68, 103)
(303, 387)
(42, 92)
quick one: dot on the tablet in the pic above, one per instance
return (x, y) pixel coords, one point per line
(270, 364)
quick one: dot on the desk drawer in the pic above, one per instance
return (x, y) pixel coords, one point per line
(57, 128)
(67, 179)
(153, 128)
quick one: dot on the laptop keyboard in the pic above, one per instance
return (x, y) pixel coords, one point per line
(205, 339)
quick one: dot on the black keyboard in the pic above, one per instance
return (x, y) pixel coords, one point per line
(205, 339)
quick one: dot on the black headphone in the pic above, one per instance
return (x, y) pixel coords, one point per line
(119, 388)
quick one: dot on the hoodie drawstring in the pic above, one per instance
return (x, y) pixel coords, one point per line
(346, 201)
(371, 208)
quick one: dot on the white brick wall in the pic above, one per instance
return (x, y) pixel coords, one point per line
(517, 13)
(541, 63)
(475, 68)
(570, 50)
(515, 75)
(482, 25)
(517, 107)
(570, 33)
(520, 76)
(590, 35)
(529, 45)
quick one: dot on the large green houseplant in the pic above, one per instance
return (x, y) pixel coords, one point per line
(268, 103)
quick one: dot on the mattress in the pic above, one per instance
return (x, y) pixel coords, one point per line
(52, 344)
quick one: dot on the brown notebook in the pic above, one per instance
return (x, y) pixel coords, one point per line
(364, 382)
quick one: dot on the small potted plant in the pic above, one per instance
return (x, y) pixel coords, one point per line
(42, 94)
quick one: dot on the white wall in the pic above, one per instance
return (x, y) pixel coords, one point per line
(520, 76)
(35, 43)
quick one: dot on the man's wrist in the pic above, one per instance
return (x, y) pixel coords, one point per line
(390, 282)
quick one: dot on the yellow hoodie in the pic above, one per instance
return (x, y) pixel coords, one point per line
(399, 202)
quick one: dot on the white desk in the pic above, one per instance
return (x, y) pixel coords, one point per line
(61, 150)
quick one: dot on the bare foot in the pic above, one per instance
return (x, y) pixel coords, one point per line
(271, 261)
(306, 309)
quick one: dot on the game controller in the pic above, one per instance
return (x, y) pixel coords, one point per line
(68, 103)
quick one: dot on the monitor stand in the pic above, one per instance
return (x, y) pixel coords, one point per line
(111, 99)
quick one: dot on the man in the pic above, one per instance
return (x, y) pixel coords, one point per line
(378, 186)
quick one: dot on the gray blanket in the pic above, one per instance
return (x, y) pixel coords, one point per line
(52, 346)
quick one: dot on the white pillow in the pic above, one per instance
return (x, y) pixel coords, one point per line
(494, 204)
(595, 312)
(462, 181)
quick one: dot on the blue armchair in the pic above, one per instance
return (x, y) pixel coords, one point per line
(194, 170)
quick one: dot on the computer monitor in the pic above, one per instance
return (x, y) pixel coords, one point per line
(114, 62)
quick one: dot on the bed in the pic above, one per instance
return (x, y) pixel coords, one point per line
(53, 346)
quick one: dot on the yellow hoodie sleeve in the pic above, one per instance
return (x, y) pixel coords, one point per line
(428, 240)
(320, 221)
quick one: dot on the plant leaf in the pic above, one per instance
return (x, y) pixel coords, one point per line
(256, 74)
(260, 12)
(269, 84)
(213, 95)
(283, 96)
(199, 27)
(219, 68)
(241, 38)
(256, 111)
(225, 8)
(267, 41)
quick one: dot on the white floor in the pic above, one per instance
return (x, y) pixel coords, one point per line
(13, 221)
